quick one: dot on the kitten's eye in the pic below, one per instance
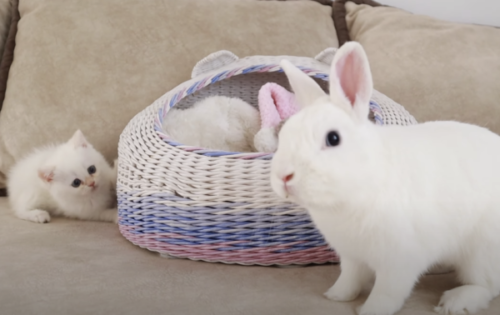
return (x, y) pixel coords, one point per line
(76, 183)
(91, 169)
(332, 139)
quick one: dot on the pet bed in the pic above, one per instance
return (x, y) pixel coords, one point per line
(189, 202)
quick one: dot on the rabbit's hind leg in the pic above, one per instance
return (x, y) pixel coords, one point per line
(478, 269)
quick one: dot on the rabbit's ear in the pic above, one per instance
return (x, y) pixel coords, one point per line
(307, 91)
(351, 79)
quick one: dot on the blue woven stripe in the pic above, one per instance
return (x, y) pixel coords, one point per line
(216, 153)
(252, 69)
(251, 228)
(218, 77)
(322, 76)
(377, 110)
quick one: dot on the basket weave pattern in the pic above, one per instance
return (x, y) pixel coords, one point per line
(217, 206)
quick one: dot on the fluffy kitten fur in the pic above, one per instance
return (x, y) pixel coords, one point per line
(217, 123)
(70, 179)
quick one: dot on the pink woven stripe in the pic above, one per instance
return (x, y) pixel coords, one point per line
(232, 72)
(203, 83)
(190, 148)
(180, 95)
(262, 256)
(270, 68)
(248, 156)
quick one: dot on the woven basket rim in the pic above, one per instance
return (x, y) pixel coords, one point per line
(226, 74)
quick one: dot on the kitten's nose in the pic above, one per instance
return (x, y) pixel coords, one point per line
(91, 184)
(287, 178)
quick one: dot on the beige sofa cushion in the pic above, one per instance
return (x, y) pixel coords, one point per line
(94, 64)
(438, 70)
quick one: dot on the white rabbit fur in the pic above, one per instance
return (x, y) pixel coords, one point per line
(392, 200)
(217, 123)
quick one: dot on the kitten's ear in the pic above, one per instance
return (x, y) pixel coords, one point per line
(46, 173)
(78, 140)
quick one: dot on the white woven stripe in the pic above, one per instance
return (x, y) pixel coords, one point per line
(392, 112)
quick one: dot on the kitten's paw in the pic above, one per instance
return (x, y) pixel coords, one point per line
(380, 306)
(110, 215)
(467, 299)
(342, 293)
(38, 216)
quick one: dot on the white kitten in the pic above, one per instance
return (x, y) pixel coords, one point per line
(217, 123)
(71, 179)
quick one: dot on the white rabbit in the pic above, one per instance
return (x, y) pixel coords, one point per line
(217, 123)
(392, 200)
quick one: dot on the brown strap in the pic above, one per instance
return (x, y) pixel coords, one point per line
(338, 15)
(324, 2)
(8, 53)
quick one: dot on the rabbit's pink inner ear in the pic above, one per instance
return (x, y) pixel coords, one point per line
(352, 76)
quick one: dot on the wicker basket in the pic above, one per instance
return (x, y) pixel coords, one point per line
(188, 202)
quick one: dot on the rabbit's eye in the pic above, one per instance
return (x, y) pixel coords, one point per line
(332, 139)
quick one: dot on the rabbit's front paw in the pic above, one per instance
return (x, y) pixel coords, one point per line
(342, 293)
(380, 306)
(467, 299)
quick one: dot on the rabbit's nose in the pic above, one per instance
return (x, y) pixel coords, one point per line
(288, 178)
